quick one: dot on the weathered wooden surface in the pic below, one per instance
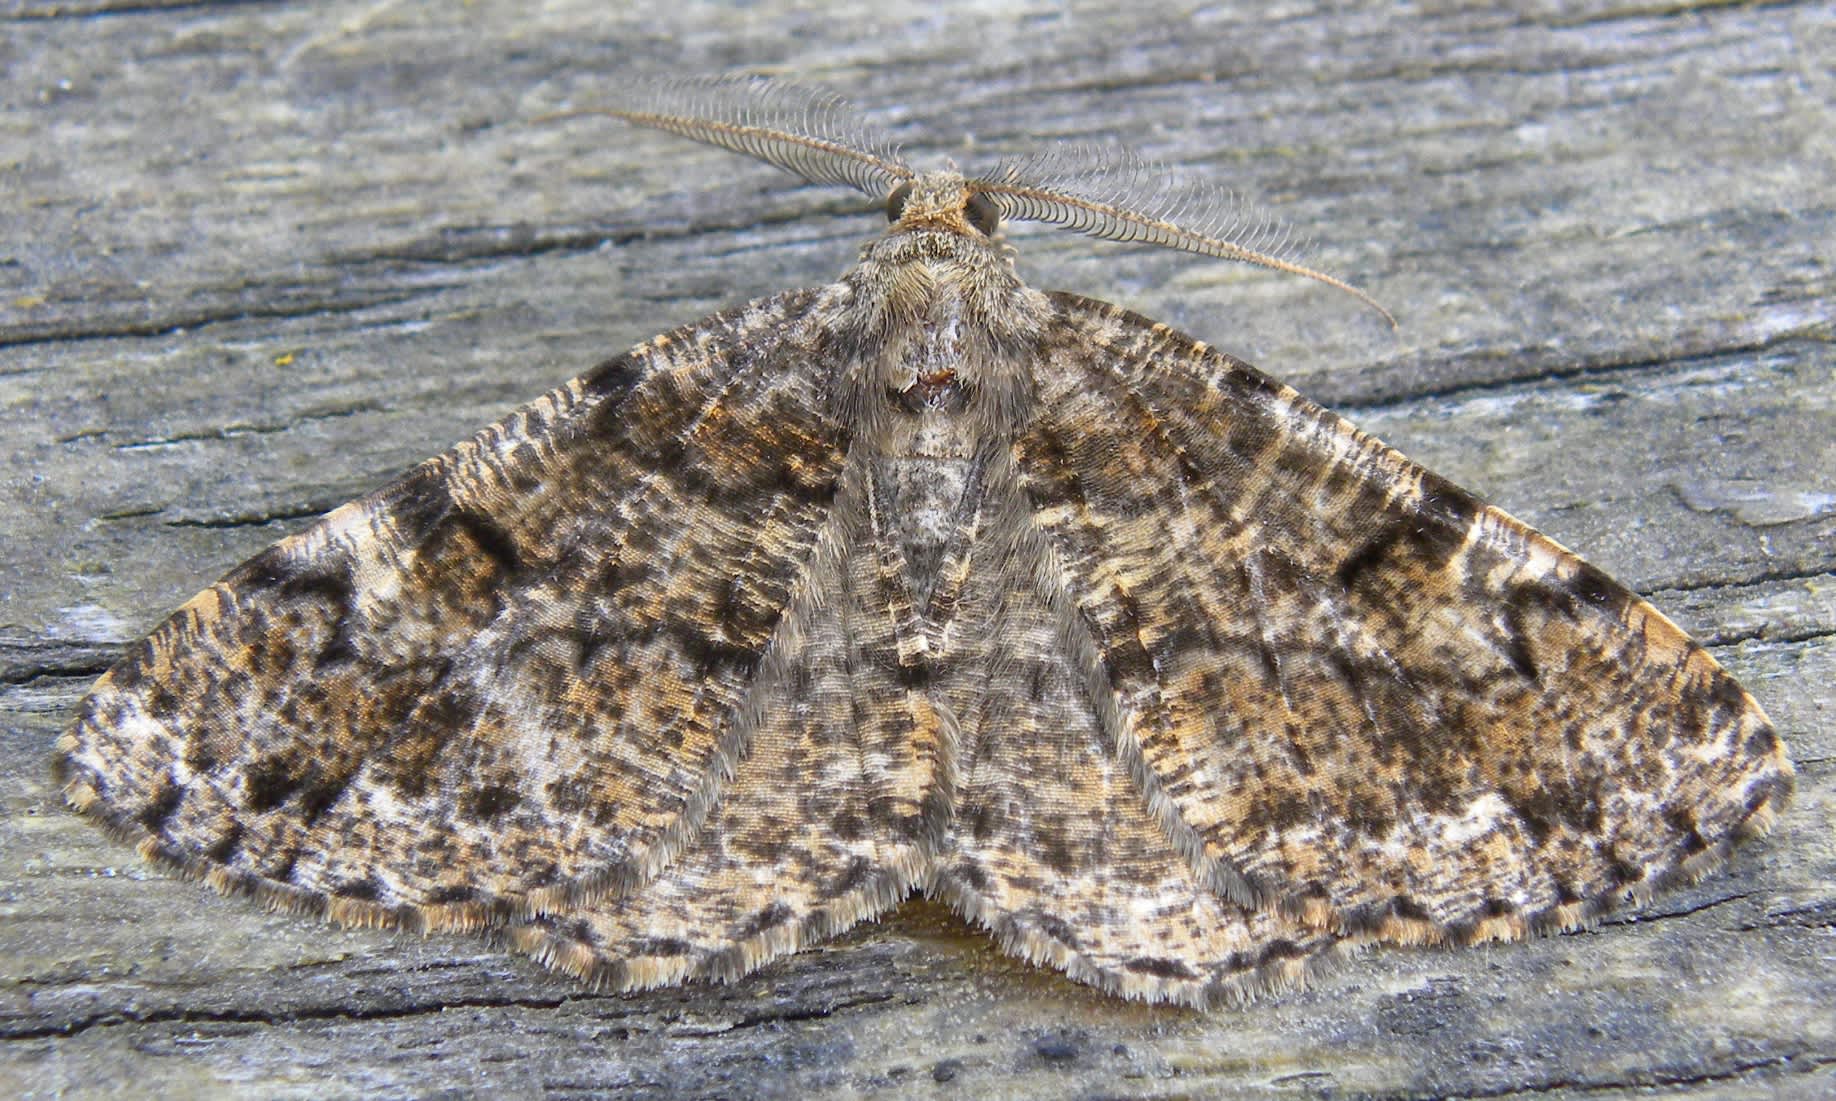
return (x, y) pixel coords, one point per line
(256, 259)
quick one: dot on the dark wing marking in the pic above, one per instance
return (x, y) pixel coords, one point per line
(513, 677)
(1351, 683)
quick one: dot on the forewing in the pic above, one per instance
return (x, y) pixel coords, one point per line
(824, 821)
(1351, 686)
(509, 677)
(1051, 846)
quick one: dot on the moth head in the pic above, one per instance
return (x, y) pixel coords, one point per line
(942, 200)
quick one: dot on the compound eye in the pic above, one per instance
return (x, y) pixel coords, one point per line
(984, 214)
(895, 202)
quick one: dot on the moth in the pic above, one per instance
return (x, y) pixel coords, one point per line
(926, 580)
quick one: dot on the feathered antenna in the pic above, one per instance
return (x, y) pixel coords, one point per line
(809, 131)
(1117, 195)
(1107, 193)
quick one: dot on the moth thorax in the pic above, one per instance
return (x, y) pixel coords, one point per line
(941, 391)
(935, 375)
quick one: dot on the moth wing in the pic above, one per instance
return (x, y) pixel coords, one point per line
(1051, 846)
(825, 822)
(510, 678)
(1349, 685)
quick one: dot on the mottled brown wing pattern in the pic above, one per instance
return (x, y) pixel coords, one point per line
(1165, 676)
(824, 822)
(506, 679)
(1052, 847)
(1379, 702)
